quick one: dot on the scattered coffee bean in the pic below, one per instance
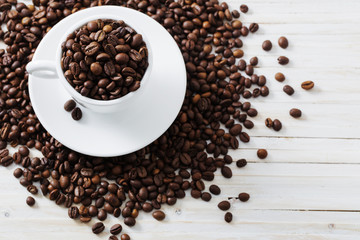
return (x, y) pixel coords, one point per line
(69, 105)
(228, 217)
(130, 221)
(268, 122)
(279, 77)
(159, 215)
(224, 205)
(18, 172)
(277, 125)
(125, 237)
(253, 27)
(116, 229)
(282, 60)
(113, 238)
(73, 212)
(244, 8)
(288, 90)
(30, 201)
(214, 189)
(98, 227)
(267, 45)
(206, 196)
(254, 61)
(32, 189)
(244, 197)
(226, 172)
(283, 42)
(241, 163)
(76, 114)
(307, 85)
(262, 153)
(295, 112)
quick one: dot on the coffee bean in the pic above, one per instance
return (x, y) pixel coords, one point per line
(244, 137)
(282, 60)
(254, 27)
(244, 8)
(244, 197)
(69, 105)
(30, 201)
(18, 173)
(116, 229)
(295, 112)
(235, 130)
(73, 212)
(288, 90)
(241, 163)
(98, 228)
(279, 77)
(113, 238)
(159, 215)
(76, 114)
(125, 237)
(228, 217)
(254, 61)
(307, 85)
(226, 172)
(102, 215)
(267, 45)
(214, 189)
(224, 205)
(206, 196)
(268, 122)
(6, 161)
(262, 153)
(130, 221)
(283, 42)
(277, 125)
(32, 189)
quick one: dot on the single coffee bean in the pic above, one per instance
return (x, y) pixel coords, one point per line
(224, 205)
(116, 229)
(268, 122)
(98, 227)
(125, 237)
(76, 114)
(102, 215)
(205, 196)
(254, 61)
(73, 212)
(244, 197)
(228, 217)
(130, 221)
(241, 163)
(253, 27)
(30, 201)
(295, 112)
(282, 60)
(267, 45)
(307, 85)
(113, 238)
(283, 42)
(288, 90)
(226, 172)
(32, 189)
(262, 153)
(279, 77)
(24, 151)
(18, 173)
(159, 215)
(244, 8)
(69, 105)
(214, 189)
(277, 125)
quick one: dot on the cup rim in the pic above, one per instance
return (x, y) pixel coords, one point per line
(91, 101)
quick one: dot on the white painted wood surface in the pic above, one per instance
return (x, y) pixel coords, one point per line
(307, 188)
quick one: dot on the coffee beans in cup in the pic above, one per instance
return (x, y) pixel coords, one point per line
(105, 59)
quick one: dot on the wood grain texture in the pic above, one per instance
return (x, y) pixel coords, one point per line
(307, 188)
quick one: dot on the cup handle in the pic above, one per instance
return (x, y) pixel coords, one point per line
(42, 69)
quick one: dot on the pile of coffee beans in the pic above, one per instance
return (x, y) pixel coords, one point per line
(214, 117)
(104, 59)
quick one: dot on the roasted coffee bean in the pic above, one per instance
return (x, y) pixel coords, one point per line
(282, 60)
(277, 125)
(241, 163)
(254, 61)
(214, 189)
(32, 189)
(226, 172)
(244, 197)
(18, 173)
(254, 27)
(159, 215)
(30, 201)
(69, 105)
(288, 90)
(269, 122)
(283, 42)
(224, 205)
(6, 161)
(102, 215)
(295, 112)
(116, 229)
(98, 228)
(262, 153)
(76, 114)
(130, 221)
(73, 212)
(244, 8)
(267, 45)
(228, 217)
(125, 237)
(206, 196)
(279, 77)
(113, 238)
(307, 85)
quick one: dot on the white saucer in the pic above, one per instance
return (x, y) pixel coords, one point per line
(126, 131)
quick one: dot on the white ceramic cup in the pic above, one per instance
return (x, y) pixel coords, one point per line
(47, 69)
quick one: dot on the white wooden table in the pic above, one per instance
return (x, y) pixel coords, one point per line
(307, 188)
